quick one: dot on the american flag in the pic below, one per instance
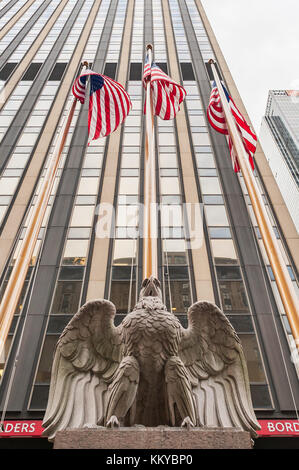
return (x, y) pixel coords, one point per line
(109, 103)
(217, 120)
(167, 94)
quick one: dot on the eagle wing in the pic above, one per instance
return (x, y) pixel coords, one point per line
(86, 356)
(215, 361)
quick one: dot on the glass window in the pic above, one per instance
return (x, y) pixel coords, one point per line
(208, 172)
(260, 396)
(128, 185)
(86, 200)
(193, 104)
(241, 323)
(216, 215)
(131, 139)
(18, 160)
(177, 295)
(253, 358)
(124, 199)
(224, 252)
(124, 251)
(122, 273)
(233, 297)
(134, 121)
(172, 199)
(196, 120)
(8, 186)
(88, 186)
(93, 160)
(4, 355)
(120, 295)
(43, 104)
(130, 172)
(168, 160)
(46, 360)
(79, 232)
(213, 200)
(177, 272)
(171, 216)
(130, 160)
(174, 252)
(57, 323)
(35, 121)
(67, 297)
(75, 252)
(228, 272)
(173, 232)
(201, 138)
(2, 212)
(5, 200)
(82, 216)
(71, 273)
(167, 139)
(170, 185)
(169, 172)
(210, 185)
(90, 172)
(127, 216)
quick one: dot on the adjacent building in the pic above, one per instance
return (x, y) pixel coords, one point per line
(42, 45)
(280, 140)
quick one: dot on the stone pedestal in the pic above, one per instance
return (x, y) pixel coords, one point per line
(152, 438)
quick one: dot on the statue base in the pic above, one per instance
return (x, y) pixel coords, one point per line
(161, 437)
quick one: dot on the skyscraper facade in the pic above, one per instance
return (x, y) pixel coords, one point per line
(280, 140)
(90, 245)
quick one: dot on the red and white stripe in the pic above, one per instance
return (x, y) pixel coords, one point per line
(79, 88)
(108, 105)
(217, 120)
(167, 94)
(108, 108)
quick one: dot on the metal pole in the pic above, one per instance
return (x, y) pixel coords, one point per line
(16, 281)
(284, 284)
(150, 255)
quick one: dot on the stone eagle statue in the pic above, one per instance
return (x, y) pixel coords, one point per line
(149, 370)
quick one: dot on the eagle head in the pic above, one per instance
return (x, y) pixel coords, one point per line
(150, 288)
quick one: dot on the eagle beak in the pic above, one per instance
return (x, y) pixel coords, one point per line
(151, 287)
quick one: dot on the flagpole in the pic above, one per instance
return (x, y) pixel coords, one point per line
(284, 284)
(17, 278)
(150, 255)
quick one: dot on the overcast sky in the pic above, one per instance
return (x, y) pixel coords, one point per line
(260, 42)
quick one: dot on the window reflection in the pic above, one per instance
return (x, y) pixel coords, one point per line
(45, 364)
(128, 185)
(120, 295)
(67, 297)
(210, 185)
(216, 215)
(170, 185)
(177, 295)
(82, 216)
(233, 297)
(253, 358)
(124, 252)
(224, 252)
(75, 252)
(4, 354)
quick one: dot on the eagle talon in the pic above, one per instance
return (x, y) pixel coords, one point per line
(113, 423)
(187, 423)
